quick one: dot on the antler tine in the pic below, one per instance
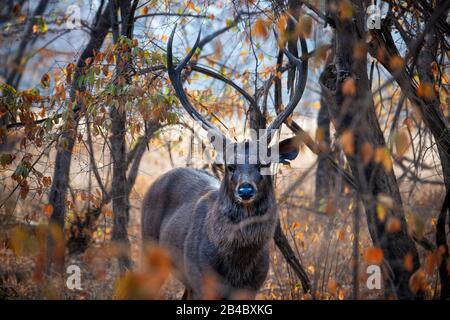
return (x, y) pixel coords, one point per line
(177, 83)
(302, 73)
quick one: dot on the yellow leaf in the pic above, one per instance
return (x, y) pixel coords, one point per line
(381, 211)
(382, 155)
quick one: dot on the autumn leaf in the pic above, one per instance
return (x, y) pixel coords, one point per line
(408, 262)
(360, 51)
(42, 112)
(425, 90)
(16, 9)
(367, 153)
(260, 29)
(47, 209)
(383, 156)
(69, 71)
(304, 27)
(347, 142)
(349, 87)
(345, 10)
(340, 235)
(381, 212)
(144, 10)
(341, 295)
(282, 23)
(45, 80)
(417, 282)
(332, 287)
(393, 225)
(402, 142)
(396, 63)
(373, 255)
(47, 181)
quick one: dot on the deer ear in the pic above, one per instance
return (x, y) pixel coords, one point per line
(288, 149)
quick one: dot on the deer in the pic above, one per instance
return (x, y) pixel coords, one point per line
(220, 227)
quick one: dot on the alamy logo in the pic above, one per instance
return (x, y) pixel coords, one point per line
(373, 20)
(374, 279)
(73, 14)
(74, 279)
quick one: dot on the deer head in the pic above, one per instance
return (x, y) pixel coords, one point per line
(244, 177)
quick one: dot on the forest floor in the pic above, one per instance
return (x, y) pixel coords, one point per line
(322, 240)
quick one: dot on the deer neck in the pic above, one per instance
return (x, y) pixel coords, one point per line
(233, 227)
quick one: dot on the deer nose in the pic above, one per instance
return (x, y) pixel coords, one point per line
(246, 191)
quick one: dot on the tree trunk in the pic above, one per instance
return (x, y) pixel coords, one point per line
(60, 181)
(120, 193)
(351, 105)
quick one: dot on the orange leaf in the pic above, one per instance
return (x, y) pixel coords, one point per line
(393, 225)
(347, 142)
(349, 87)
(408, 262)
(396, 63)
(260, 28)
(47, 209)
(332, 287)
(295, 225)
(383, 156)
(373, 255)
(144, 11)
(417, 281)
(367, 153)
(345, 10)
(425, 90)
(304, 27)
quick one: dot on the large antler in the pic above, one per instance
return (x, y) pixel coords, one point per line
(177, 83)
(299, 89)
